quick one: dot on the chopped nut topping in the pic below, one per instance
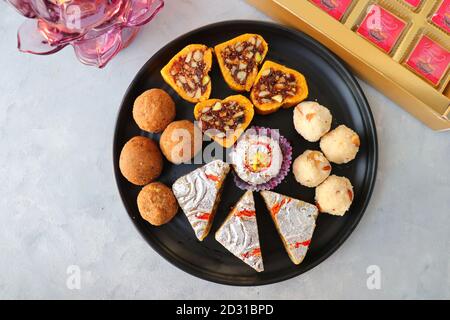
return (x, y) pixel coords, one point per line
(206, 109)
(205, 80)
(258, 57)
(266, 72)
(222, 116)
(198, 93)
(275, 86)
(278, 98)
(241, 76)
(309, 116)
(239, 115)
(243, 58)
(356, 141)
(198, 55)
(187, 72)
(188, 57)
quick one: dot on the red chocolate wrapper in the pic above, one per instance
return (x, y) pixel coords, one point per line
(286, 149)
(429, 60)
(413, 3)
(381, 27)
(441, 17)
(335, 8)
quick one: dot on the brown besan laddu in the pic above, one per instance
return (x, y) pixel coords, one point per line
(141, 161)
(181, 141)
(157, 203)
(154, 110)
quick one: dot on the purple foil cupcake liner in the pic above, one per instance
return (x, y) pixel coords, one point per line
(286, 149)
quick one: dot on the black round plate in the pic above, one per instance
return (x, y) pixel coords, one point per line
(330, 83)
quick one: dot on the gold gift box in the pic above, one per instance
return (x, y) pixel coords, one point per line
(386, 72)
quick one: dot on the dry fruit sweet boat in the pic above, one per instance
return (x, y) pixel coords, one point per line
(198, 194)
(239, 233)
(277, 86)
(188, 73)
(295, 221)
(224, 120)
(239, 59)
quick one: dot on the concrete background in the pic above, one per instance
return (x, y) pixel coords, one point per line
(59, 205)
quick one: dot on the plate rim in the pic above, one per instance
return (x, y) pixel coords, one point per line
(371, 173)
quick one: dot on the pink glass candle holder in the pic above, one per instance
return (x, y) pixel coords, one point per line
(96, 29)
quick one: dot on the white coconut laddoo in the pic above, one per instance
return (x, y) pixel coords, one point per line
(334, 195)
(312, 120)
(340, 145)
(311, 168)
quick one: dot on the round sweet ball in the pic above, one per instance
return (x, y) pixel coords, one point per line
(334, 195)
(154, 110)
(312, 120)
(340, 145)
(157, 204)
(181, 141)
(311, 168)
(140, 161)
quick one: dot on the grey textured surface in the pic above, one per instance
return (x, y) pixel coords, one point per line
(59, 205)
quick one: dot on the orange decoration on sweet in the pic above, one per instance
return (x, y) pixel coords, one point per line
(245, 213)
(213, 177)
(254, 252)
(204, 216)
(309, 116)
(276, 208)
(304, 244)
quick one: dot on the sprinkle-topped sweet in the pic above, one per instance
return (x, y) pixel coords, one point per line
(239, 233)
(295, 221)
(198, 194)
(260, 159)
